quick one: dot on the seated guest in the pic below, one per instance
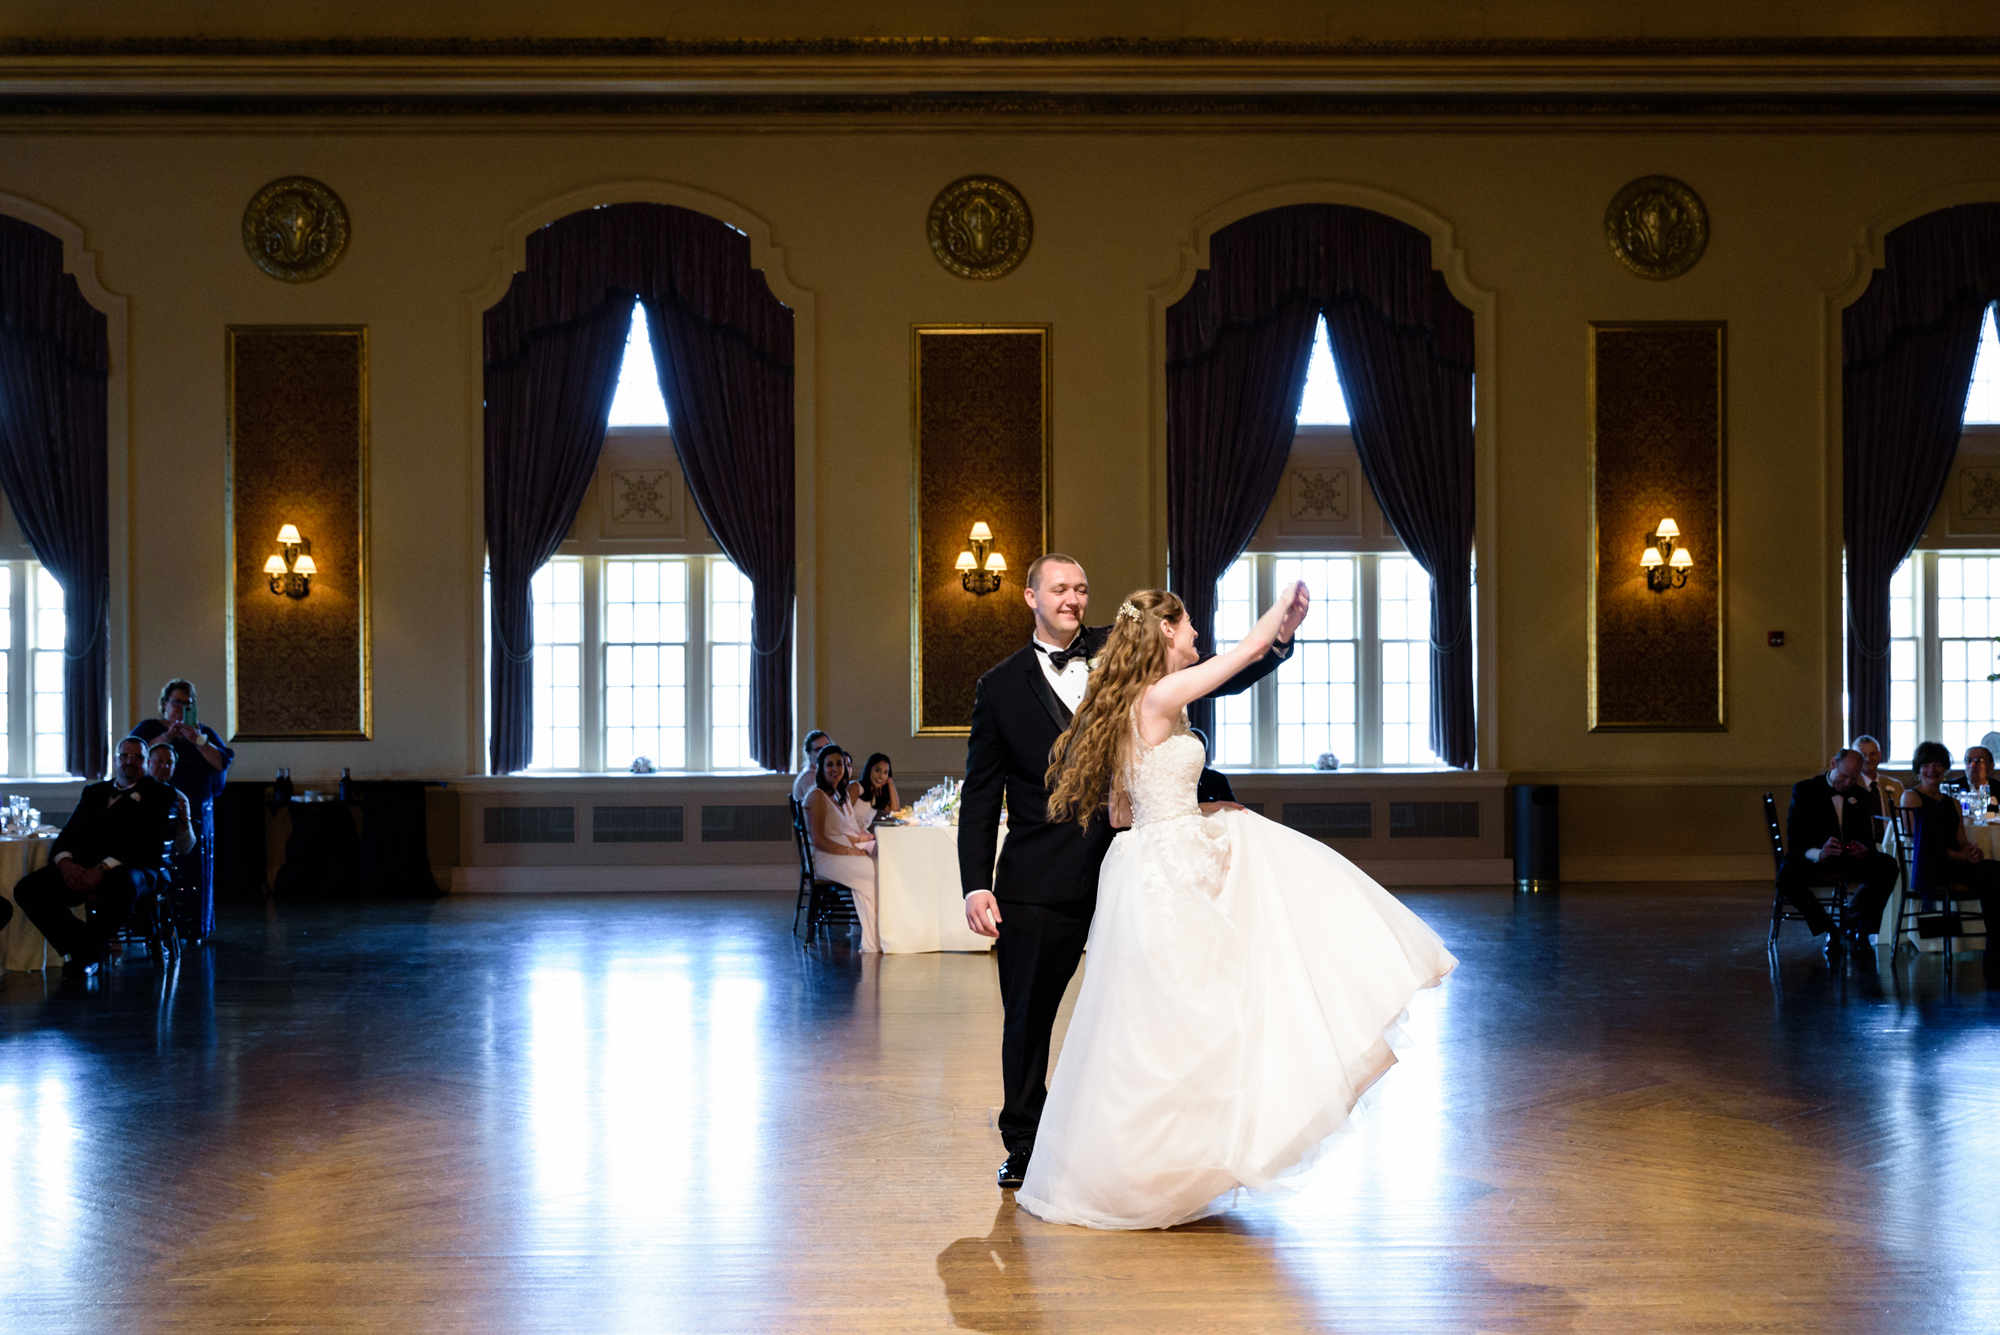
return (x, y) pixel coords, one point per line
(842, 850)
(1944, 856)
(1830, 835)
(160, 766)
(112, 851)
(1979, 773)
(1888, 789)
(802, 786)
(201, 770)
(877, 789)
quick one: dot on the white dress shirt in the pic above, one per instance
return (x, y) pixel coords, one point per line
(1069, 684)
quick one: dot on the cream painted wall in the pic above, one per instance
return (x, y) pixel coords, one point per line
(1113, 209)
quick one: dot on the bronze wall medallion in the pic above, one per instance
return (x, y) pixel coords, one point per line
(295, 229)
(980, 228)
(1657, 227)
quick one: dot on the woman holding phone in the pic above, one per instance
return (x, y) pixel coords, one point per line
(201, 767)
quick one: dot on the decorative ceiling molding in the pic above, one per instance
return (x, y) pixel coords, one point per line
(948, 76)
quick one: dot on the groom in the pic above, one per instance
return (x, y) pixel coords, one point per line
(1039, 901)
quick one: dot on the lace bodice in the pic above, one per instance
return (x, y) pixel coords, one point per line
(1160, 780)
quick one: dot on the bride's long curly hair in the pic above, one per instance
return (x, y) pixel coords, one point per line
(1087, 765)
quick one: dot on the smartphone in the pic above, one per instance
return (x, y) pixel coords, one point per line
(190, 717)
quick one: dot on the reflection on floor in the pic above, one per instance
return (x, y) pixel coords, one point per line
(635, 1114)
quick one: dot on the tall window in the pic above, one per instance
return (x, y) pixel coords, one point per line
(1358, 683)
(31, 671)
(640, 652)
(1322, 403)
(641, 656)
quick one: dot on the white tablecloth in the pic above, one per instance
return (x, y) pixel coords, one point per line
(21, 945)
(917, 890)
(1988, 839)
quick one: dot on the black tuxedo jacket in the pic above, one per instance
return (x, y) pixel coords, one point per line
(134, 830)
(1016, 718)
(1810, 823)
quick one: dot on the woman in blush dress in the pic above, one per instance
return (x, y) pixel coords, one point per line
(877, 789)
(1241, 977)
(842, 849)
(201, 768)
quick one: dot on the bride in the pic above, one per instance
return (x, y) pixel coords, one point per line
(1241, 976)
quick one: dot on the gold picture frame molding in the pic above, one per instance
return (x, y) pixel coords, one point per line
(364, 665)
(1614, 645)
(1008, 544)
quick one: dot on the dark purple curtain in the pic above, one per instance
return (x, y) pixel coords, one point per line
(1907, 351)
(1237, 348)
(1409, 394)
(554, 345)
(55, 365)
(725, 368)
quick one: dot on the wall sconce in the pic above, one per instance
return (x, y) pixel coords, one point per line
(1666, 562)
(980, 569)
(291, 573)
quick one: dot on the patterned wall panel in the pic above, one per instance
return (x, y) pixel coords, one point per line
(298, 454)
(981, 423)
(1658, 425)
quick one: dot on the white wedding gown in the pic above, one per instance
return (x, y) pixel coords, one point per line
(1239, 985)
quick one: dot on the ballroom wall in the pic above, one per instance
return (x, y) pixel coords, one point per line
(436, 206)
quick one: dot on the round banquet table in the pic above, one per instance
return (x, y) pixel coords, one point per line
(917, 899)
(21, 945)
(1987, 837)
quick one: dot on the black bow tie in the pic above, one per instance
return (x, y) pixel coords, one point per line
(1062, 658)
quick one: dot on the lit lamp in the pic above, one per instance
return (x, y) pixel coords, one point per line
(291, 571)
(1666, 562)
(980, 569)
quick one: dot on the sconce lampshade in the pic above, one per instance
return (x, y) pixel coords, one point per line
(275, 566)
(965, 562)
(289, 534)
(1681, 559)
(997, 563)
(1651, 559)
(1668, 529)
(981, 533)
(304, 566)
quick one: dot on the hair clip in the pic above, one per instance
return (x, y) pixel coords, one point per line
(1127, 610)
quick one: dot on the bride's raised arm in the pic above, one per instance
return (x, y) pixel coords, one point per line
(1165, 698)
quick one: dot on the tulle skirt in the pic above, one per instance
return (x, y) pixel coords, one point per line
(1223, 1031)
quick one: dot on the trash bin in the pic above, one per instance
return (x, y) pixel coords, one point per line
(1537, 843)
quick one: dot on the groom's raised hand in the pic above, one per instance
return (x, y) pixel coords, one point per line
(982, 913)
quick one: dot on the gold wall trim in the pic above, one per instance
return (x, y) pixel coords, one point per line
(979, 424)
(297, 452)
(1658, 430)
(905, 75)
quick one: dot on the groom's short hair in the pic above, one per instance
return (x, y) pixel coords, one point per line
(1048, 558)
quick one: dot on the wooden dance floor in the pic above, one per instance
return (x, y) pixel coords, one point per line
(661, 1114)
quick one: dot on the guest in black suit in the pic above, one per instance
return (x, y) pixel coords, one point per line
(1039, 900)
(1213, 785)
(112, 851)
(1830, 836)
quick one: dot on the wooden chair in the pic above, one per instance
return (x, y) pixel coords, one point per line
(1947, 920)
(150, 924)
(1834, 900)
(822, 903)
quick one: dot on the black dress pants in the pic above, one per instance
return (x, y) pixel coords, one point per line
(1040, 946)
(47, 899)
(1875, 874)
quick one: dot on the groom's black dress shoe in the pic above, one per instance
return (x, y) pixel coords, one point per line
(1014, 1170)
(81, 966)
